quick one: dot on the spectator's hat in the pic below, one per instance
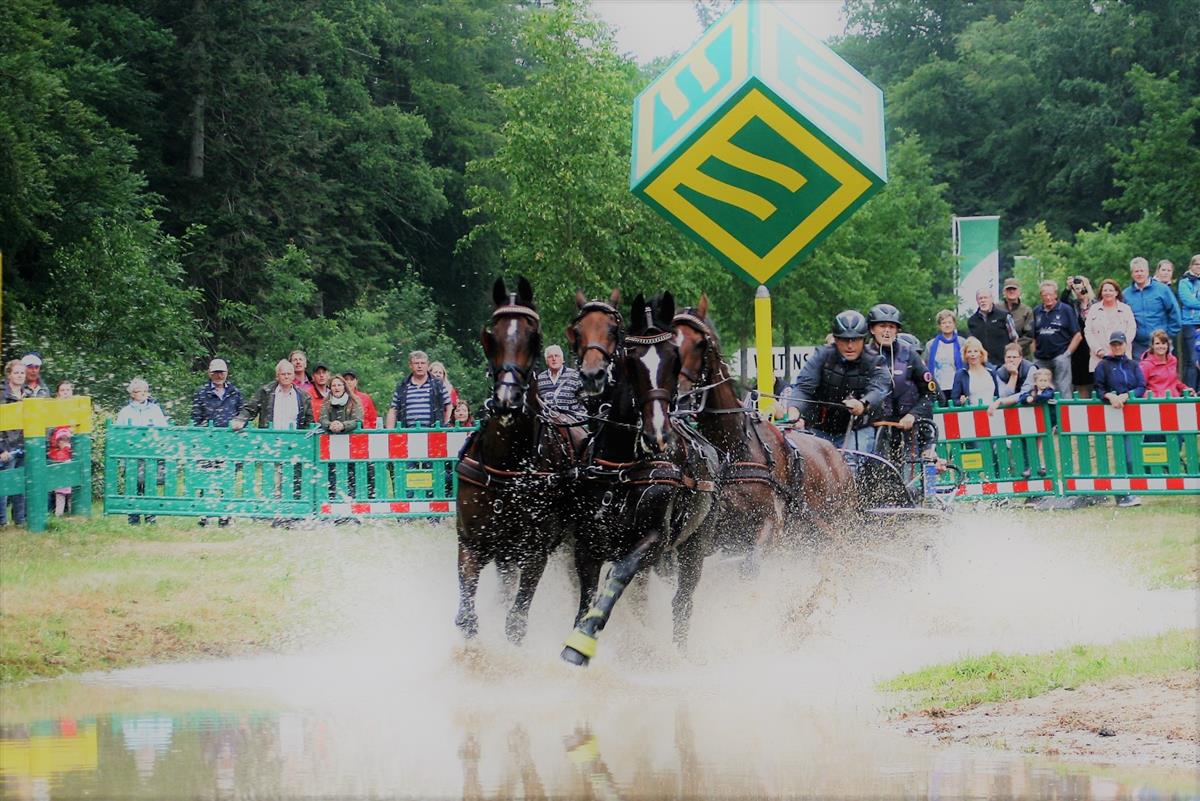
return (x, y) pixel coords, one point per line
(1012, 283)
(218, 365)
(324, 367)
(1117, 336)
(349, 374)
(31, 360)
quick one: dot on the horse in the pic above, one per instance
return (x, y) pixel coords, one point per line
(512, 472)
(771, 485)
(648, 482)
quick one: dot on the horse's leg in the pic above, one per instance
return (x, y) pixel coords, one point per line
(580, 646)
(517, 622)
(587, 571)
(469, 565)
(691, 564)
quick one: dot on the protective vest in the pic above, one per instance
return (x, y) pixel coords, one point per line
(909, 385)
(840, 379)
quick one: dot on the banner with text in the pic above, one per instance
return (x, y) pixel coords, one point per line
(977, 248)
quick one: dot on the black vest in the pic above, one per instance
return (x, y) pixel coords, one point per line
(906, 382)
(840, 379)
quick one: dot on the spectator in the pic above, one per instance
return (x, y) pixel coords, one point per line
(945, 353)
(58, 449)
(1189, 300)
(992, 326)
(1160, 367)
(318, 391)
(438, 371)
(141, 411)
(975, 382)
(12, 443)
(1016, 375)
(1117, 380)
(462, 414)
(1080, 297)
(278, 404)
(1041, 390)
(299, 360)
(420, 399)
(341, 412)
(218, 401)
(559, 386)
(1110, 314)
(34, 386)
(1021, 313)
(370, 415)
(1153, 303)
(1164, 272)
(1056, 336)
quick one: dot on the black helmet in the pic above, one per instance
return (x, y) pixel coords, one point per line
(913, 343)
(884, 313)
(849, 324)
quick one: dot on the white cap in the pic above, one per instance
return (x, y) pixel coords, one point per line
(32, 360)
(218, 364)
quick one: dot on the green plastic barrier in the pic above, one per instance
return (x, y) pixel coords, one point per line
(1150, 446)
(1006, 454)
(38, 476)
(218, 472)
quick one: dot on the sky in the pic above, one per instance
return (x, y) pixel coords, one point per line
(652, 28)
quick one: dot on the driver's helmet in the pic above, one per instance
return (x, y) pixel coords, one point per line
(849, 324)
(884, 313)
(914, 344)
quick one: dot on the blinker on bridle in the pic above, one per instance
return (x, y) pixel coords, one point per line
(609, 309)
(507, 310)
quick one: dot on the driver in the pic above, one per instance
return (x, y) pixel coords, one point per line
(911, 397)
(840, 386)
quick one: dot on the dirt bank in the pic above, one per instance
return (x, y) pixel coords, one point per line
(1146, 720)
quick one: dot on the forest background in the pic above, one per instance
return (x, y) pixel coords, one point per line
(188, 178)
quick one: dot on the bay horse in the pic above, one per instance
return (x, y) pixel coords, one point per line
(647, 482)
(772, 484)
(512, 472)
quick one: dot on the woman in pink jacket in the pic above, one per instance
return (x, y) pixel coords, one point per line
(1161, 368)
(1103, 318)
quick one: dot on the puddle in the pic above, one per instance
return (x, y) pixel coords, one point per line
(764, 706)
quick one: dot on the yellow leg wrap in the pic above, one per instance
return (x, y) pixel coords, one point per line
(588, 751)
(582, 643)
(591, 613)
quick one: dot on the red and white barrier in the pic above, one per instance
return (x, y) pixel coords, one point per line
(1131, 484)
(1004, 488)
(385, 508)
(1179, 416)
(372, 447)
(1012, 421)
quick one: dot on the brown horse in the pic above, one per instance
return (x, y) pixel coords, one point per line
(772, 484)
(513, 474)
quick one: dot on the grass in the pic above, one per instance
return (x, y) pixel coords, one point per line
(99, 594)
(1002, 677)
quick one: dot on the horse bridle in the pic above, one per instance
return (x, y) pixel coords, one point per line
(600, 306)
(686, 317)
(525, 374)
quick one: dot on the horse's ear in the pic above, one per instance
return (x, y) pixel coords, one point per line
(580, 298)
(666, 308)
(615, 297)
(637, 314)
(524, 291)
(499, 292)
(702, 308)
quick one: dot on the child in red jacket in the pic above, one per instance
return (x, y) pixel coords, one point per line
(58, 449)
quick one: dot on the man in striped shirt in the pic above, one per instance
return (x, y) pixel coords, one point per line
(420, 399)
(559, 386)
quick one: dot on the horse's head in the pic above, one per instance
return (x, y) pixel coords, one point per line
(651, 365)
(595, 337)
(697, 342)
(511, 342)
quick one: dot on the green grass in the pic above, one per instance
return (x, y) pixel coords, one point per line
(1001, 677)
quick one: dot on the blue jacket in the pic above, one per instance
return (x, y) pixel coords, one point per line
(1189, 298)
(1119, 375)
(1153, 307)
(207, 407)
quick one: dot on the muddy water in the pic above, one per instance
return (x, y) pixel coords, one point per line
(775, 699)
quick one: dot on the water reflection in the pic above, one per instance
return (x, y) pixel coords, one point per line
(208, 753)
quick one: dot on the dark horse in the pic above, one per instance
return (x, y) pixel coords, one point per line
(646, 482)
(769, 487)
(512, 473)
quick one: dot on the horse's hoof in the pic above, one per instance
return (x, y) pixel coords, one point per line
(468, 625)
(515, 630)
(571, 656)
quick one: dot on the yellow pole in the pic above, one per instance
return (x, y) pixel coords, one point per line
(762, 343)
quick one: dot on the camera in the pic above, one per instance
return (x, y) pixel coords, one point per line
(1077, 280)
